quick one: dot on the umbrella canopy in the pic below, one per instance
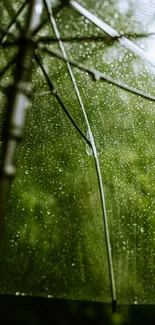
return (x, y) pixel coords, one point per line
(79, 218)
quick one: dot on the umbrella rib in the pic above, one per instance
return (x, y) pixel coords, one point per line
(72, 120)
(94, 150)
(106, 39)
(41, 25)
(14, 21)
(96, 74)
(112, 32)
(56, 10)
(6, 33)
(54, 92)
(8, 66)
(13, 14)
(7, 44)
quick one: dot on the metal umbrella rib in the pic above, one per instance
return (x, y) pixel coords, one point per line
(112, 32)
(14, 21)
(96, 74)
(106, 39)
(94, 150)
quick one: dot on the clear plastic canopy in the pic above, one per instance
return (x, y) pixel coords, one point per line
(80, 215)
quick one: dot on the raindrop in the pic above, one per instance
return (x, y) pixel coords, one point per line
(88, 148)
(143, 46)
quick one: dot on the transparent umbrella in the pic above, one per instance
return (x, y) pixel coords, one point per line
(52, 239)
